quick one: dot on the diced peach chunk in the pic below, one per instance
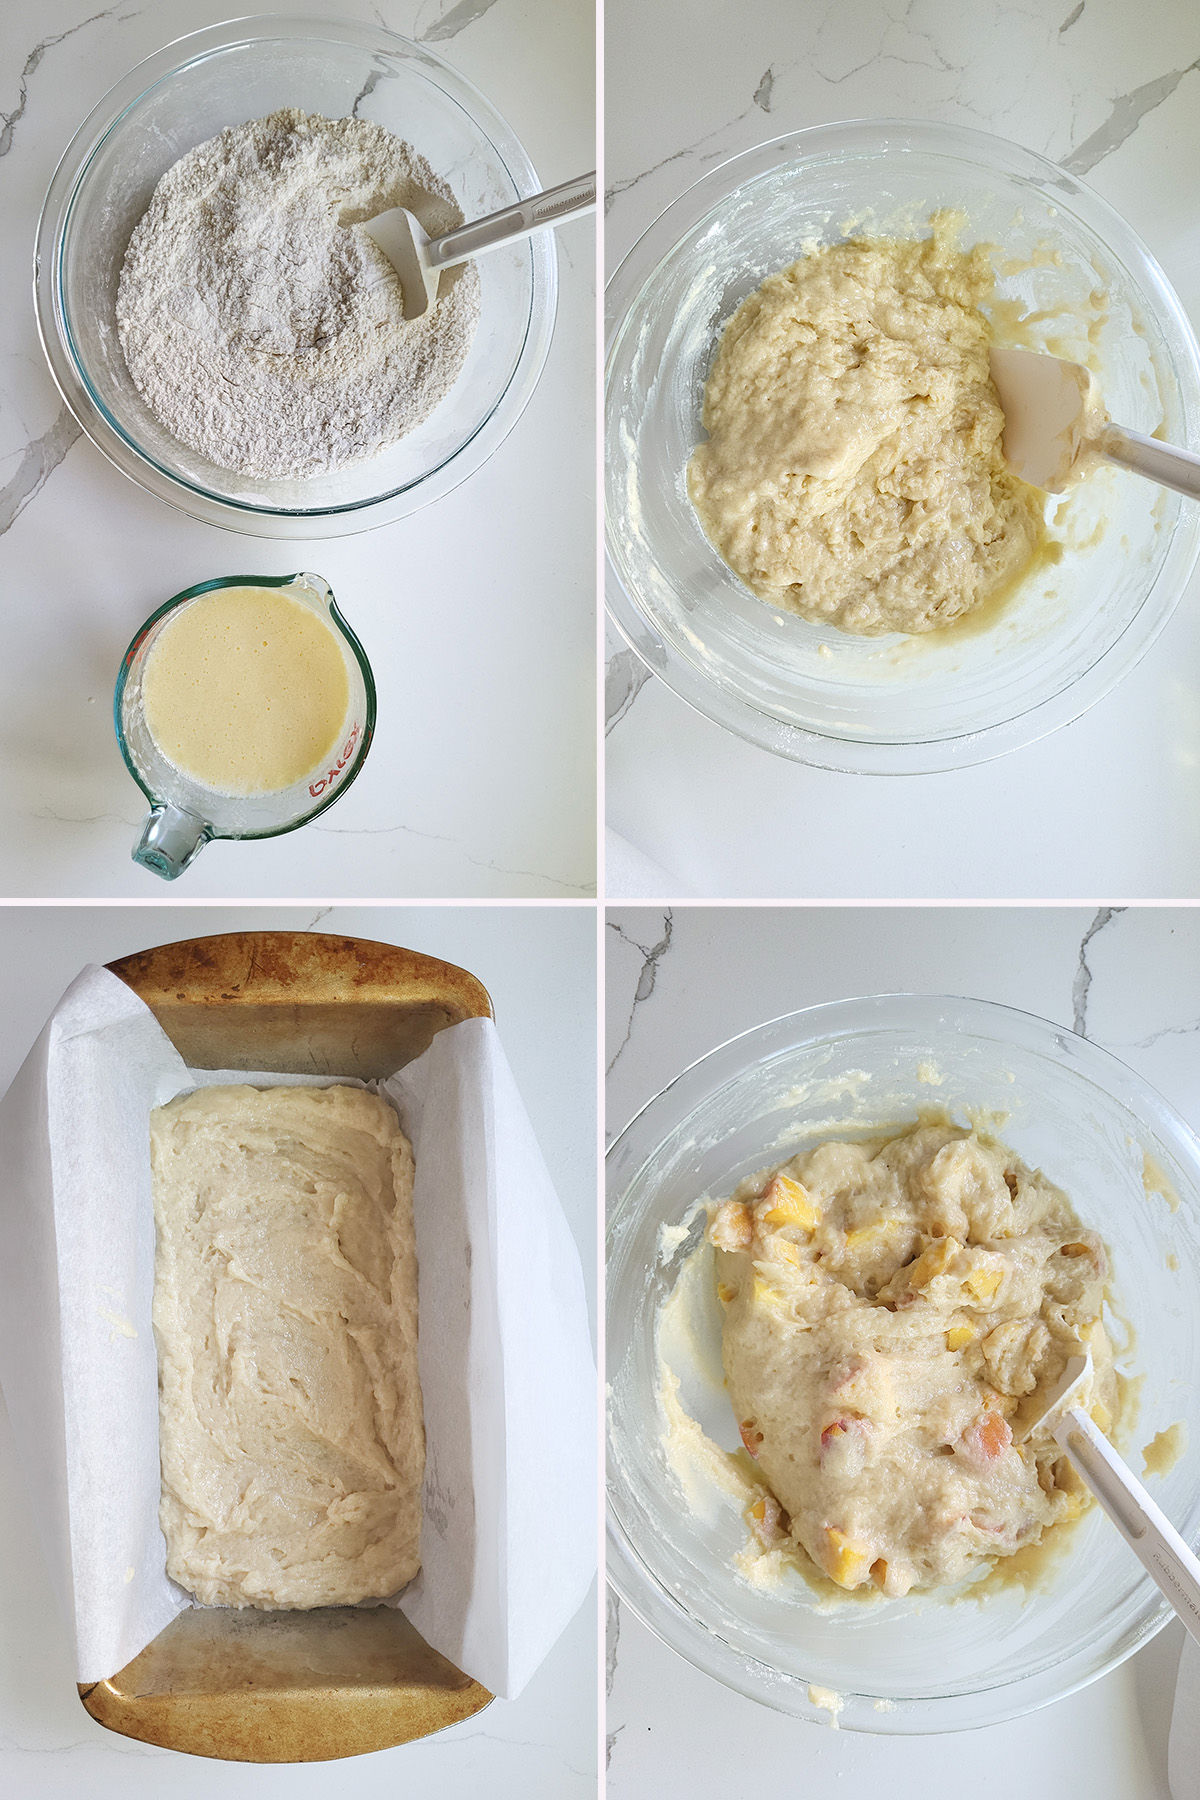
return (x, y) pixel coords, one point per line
(764, 1294)
(987, 1437)
(983, 1283)
(752, 1437)
(786, 1202)
(995, 1433)
(862, 1237)
(845, 1561)
(933, 1261)
(766, 1516)
(1090, 1252)
(959, 1336)
(733, 1227)
(844, 1443)
(846, 1374)
(981, 1522)
(837, 1428)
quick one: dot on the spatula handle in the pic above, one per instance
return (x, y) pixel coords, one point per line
(1144, 1526)
(513, 223)
(1165, 463)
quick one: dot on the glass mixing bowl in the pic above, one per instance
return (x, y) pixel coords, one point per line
(1072, 1110)
(1011, 673)
(184, 95)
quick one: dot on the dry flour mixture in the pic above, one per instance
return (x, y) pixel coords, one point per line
(260, 326)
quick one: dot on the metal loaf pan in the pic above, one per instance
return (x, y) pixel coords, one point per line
(240, 1684)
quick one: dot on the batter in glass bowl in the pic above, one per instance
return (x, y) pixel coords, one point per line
(853, 471)
(890, 1307)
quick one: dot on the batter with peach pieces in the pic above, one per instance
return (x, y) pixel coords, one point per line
(891, 1308)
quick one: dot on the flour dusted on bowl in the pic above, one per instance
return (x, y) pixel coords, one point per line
(891, 1307)
(285, 1314)
(262, 326)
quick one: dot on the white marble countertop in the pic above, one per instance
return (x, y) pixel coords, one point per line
(680, 982)
(539, 966)
(1109, 806)
(477, 613)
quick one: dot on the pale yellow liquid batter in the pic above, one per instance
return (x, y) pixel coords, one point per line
(246, 690)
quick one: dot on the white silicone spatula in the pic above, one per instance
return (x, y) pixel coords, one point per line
(1144, 1526)
(419, 259)
(1053, 414)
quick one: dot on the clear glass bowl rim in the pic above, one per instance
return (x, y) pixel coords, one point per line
(112, 440)
(628, 1575)
(826, 751)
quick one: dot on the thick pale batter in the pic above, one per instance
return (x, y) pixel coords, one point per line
(285, 1312)
(853, 471)
(246, 690)
(889, 1306)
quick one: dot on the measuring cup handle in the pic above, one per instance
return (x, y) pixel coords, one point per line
(171, 840)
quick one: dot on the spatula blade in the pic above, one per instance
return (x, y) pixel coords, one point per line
(1072, 1387)
(402, 239)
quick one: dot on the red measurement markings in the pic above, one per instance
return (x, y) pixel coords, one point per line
(327, 780)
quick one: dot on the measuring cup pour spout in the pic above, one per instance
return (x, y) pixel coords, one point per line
(171, 840)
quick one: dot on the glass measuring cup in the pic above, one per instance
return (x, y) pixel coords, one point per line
(185, 814)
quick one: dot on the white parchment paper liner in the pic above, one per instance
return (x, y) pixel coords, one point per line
(508, 1545)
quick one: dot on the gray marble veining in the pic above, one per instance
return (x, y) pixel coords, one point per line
(624, 187)
(1128, 111)
(368, 87)
(612, 1639)
(624, 679)
(652, 955)
(33, 60)
(437, 837)
(39, 459)
(456, 20)
(1082, 984)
